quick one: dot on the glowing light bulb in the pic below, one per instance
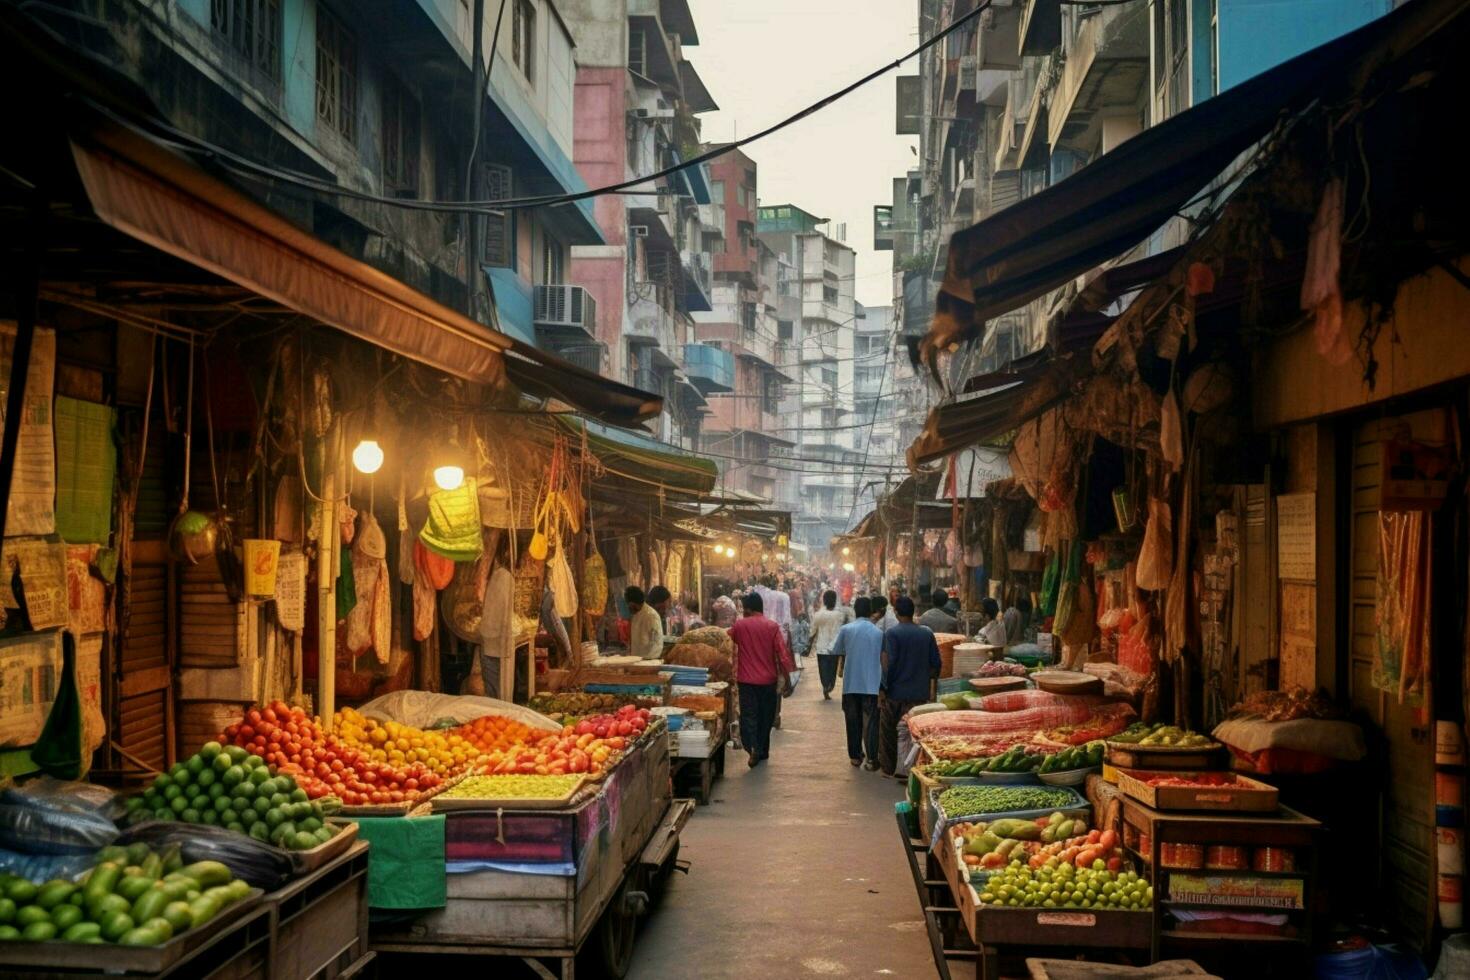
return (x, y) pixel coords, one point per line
(368, 456)
(846, 551)
(847, 566)
(449, 477)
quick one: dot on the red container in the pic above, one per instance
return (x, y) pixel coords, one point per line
(1273, 859)
(1189, 856)
(1227, 857)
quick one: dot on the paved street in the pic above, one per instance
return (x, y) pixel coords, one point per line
(796, 868)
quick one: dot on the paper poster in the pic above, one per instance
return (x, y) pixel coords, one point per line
(1296, 536)
(1298, 635)
(290, 598)
(86, 593)
(87, 465)
(33, 487)
(42, 566)
(89, 687)
(30, 667)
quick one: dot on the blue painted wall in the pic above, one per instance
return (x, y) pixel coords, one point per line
(1259, 34)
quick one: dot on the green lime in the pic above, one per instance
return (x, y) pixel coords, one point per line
(205, 778)
(298, 795)
(236, 753)
(172, 792)
(209, 817)
(178, 804)
(221, 763)
(274, 817)
(259, 774)
(261, 805)
(210, 749)
(244, 791)
(232, 776)
(260, 830)
(304, 841)
(190, 815)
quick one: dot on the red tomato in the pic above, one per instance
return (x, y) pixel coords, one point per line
(253, 716)
(370, 777)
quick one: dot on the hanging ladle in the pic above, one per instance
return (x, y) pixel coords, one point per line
(192, 534)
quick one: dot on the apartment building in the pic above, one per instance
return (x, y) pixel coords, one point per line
(636, 102)
(745, 430)
(1030, 91)
(815, 275)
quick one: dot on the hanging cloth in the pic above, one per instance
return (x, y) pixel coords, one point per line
(559, 580)
(366, 629)
(437, 570)
(453, 527)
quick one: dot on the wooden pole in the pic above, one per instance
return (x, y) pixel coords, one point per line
(329, 557)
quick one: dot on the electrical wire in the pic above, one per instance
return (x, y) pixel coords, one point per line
(189, 143)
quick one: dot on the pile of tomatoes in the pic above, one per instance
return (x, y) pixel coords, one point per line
(322, 763)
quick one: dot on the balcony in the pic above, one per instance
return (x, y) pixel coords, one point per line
(650, 324)
(710, 369)
(1106, 73)
(698, 282)
(651, 51)
(587, 355)
(1040, 29)
(564, 312)
(998, 44)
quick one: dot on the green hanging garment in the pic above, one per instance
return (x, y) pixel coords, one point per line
(59, 749)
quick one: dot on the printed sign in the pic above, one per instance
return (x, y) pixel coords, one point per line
(1296, 536)
(30, 667)
(42, 568)
(1075, 920)
(32, 507)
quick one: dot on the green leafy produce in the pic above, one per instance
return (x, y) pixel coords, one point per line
(1057, 884)
(1156, 735)
(1021, 759)
(977, 800)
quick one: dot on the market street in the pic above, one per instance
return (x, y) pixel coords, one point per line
(800, 858)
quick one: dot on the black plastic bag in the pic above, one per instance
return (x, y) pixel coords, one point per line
(258, 863)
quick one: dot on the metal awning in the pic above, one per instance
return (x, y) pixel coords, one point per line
(654, 465)
(1113, 203)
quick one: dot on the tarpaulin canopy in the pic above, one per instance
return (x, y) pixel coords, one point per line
(1113, 203)
(645, 460)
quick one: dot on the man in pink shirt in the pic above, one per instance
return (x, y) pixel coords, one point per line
(762, 664)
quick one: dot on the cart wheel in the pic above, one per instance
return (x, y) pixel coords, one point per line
(618, 928)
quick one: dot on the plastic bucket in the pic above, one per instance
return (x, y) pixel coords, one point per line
(262, 558)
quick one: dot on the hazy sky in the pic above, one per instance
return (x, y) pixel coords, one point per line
(764, 59)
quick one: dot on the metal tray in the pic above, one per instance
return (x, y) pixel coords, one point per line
(446, 804)
(1067, 777)
(111, 958)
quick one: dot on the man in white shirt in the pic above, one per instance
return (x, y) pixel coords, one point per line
(646, 636)
(825, 624)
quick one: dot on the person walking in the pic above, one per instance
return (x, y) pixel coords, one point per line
(890, 615)
(762, 670)
(860, 642)
(938, 618)
(825, 625)
(910, 663)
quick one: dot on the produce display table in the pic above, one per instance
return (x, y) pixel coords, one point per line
(541, 884)
(993, 927)
(1285, 829)
(697, 774)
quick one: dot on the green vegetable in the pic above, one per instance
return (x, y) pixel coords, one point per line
(116, 926)
(108, 905)
(53, 893)
(38, 932)
(30, 915)
(21, 892)
(142, 936)
(9, 934)
(202, 909)
(82, 932)
(7, 910)
(65, 916)
(150, 904)
(101, 881)
(132, 887)
(970, 801)
(208, 873)
(177, 914)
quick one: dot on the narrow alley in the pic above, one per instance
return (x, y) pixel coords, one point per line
(798, 858)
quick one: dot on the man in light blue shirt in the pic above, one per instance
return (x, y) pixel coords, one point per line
(861, 642)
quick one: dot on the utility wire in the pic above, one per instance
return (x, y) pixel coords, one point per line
(189, 143)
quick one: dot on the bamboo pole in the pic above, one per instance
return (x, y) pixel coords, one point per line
(329, 557)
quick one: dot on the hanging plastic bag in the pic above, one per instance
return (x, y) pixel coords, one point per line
(1171, 431)
(563, 586)
(1156, 558)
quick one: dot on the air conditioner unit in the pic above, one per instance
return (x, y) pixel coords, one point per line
(638, 231)
(642, 113)
(558, 305)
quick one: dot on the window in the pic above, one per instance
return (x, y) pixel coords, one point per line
(829, 293)
(400, 138)
(747, 316)
(336, 74)
(1171, 56)
(741, 196)
(770, 394)
(498, 243)
(717, 191)
(785, 329)
(829, 373)
(637, 51)
(553, 261)
(252, 28)
(523, 38)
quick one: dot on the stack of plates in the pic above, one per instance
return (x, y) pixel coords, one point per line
(969, 657)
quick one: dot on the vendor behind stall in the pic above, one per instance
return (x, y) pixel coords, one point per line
(993, 633)
(646, 636)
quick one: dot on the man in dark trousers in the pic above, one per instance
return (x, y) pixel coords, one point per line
(762, 666)
(910, 664)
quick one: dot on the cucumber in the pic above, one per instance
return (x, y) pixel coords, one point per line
(113, 853)
(153, 866)
(108, 905)
(132, 887)
(29, 915)
(161, 925)
(9, 934)
(38, 932)
(138, 853)
(82, 932)
(53, 893)
(208, 873)
(173, 858)
(238, 890)
(141, 936)
(63, 917)
(149, 905)
(116, 926)
(7, 910)
(101, 881)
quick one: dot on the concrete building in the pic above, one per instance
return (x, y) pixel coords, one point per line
(815, 273)
(745, 429)
(635, 105)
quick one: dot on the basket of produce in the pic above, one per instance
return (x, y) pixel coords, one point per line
(148, 907)
(1055, 838)
(1070, 767)
(1019, 802)
(1184, 790)
(1158, 746)
(510, 792)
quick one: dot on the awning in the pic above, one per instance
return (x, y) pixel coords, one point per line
(645, 460)
(160, 198)
(1113, 203)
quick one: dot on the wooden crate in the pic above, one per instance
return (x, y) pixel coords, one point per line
(1245, 795)
(1121, 755)
(202, 721)
(321, 920)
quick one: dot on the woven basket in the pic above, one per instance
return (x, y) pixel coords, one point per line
(947, 642)
(495, 509)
